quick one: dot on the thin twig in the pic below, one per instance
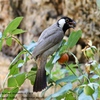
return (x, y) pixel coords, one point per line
(5, 80)
(73, 72)
(21, 44)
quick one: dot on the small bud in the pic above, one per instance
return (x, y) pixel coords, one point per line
(89, 42)
(94, 65)
(94, 49)
(89, 51)
(91, 66)
(87, 68)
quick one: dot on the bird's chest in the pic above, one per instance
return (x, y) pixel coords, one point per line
(51, 50)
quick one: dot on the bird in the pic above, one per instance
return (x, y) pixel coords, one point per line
(47, 44)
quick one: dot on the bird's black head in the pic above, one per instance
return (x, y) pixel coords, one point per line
(66, 23)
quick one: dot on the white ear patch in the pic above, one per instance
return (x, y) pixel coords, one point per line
(61, 22)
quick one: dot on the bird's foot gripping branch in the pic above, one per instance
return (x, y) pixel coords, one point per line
(56, 76)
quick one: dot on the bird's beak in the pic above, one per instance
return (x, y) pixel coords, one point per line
(72, 24)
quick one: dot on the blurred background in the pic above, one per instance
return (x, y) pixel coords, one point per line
(38, 15)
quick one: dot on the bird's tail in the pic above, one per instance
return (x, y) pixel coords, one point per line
(40, 80)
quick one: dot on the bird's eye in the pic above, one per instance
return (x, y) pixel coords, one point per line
(67, 20)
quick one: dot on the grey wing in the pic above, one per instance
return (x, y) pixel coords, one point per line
(48, 32)
(48, 42)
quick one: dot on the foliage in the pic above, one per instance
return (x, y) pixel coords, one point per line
(87, 86)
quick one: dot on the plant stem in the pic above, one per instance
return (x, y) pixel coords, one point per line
(77, 62)
(80, 69)
(92, 97)
(30, 75)
(5, 80)
(73, 72)
(14, 38)
(21, 44)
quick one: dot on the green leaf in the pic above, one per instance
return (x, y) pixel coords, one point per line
(56, 57)
(12, 82)
(70, 96)
(15, 67)
(99, 92)
(16, 59)
(70, 78)
(49, 65)
(34, 68)
(58, 73)
(81, 77)
(1, 41)
(73, 38)
(17, 31)
(20, 63)
(72, 67)
(20, 78)
(12, 25)
(16, 80)
(31, 46)
(83, 96)
(31, 76)
(94, 85)
(62, 91)
(63, 48)
(9, 41)
(14, 70)
(9, 93)
(62, 97)
(12, 93)
(4, 92)
(88, 90)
